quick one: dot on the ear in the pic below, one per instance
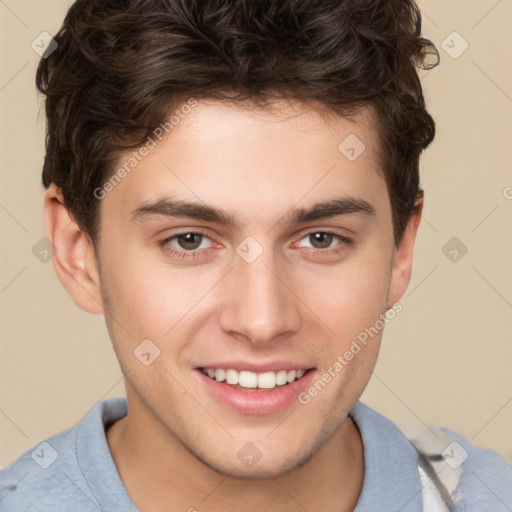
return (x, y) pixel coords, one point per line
(402, 261)
(74, 259)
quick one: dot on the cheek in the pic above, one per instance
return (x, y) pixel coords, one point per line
(350, 299)
(149, 299)
(351, 296)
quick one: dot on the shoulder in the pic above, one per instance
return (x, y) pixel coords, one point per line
(32, 481)
(48, 476)
(477, 479)
(485, 483)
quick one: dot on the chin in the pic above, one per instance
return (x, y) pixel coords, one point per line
(250, 463)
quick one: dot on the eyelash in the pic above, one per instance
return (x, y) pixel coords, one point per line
(197, 253)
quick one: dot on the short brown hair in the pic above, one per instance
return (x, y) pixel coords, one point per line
(122, 65)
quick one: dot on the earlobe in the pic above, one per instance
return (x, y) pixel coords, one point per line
(74, 259)
(402, 261)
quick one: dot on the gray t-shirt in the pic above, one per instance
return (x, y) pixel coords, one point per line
(74, 470)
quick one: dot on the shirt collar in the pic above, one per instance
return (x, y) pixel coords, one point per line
(95, 459)
(391, 478)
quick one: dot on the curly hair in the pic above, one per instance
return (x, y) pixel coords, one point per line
(122, 65)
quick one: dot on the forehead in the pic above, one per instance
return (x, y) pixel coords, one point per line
(251, 160)
(291, 121)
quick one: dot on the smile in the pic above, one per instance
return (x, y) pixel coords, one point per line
(251, 380)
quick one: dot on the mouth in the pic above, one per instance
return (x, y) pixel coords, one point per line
(252, 381)
(256, 393)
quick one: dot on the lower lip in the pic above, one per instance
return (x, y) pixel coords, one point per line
(257, 402)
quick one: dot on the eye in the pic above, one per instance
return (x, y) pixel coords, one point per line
(189, 241)
(322, 240)
(186, 245)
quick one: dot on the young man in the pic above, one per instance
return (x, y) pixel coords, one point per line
(234, 185)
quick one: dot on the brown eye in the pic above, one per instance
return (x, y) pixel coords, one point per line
(321, 240)
(324, 243)
(189, 241)
(187, 244)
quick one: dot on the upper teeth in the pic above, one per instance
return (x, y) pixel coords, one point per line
(246, 379)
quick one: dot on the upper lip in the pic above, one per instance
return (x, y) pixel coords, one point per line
(273, 366)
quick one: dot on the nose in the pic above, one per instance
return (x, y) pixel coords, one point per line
(259, 302)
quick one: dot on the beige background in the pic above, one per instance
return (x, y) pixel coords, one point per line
(446, 359)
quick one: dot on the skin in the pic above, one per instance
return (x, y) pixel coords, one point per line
(177, 447)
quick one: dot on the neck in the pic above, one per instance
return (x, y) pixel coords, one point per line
(160, 473)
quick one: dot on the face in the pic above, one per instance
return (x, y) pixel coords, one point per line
(247, 246)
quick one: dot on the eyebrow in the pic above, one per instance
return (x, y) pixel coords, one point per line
(335, 207)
